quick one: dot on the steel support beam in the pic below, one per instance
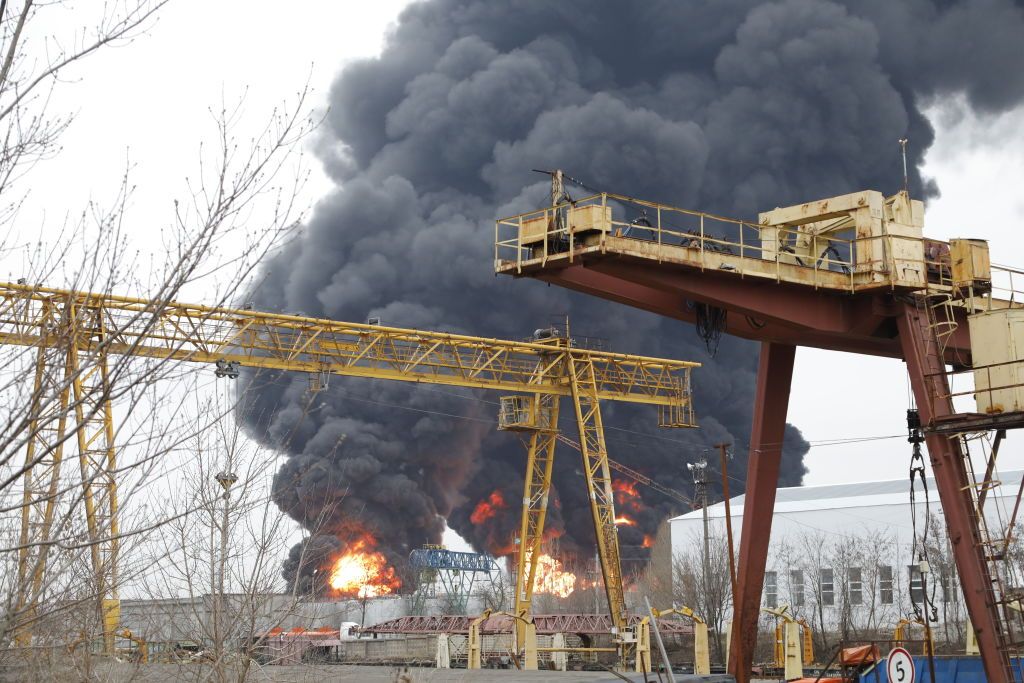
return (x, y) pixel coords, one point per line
(598, 476)
(860, 324)
(949, 469)
(986, 483)
(771, 402)
(536, 489)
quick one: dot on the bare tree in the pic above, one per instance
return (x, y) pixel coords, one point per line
(67, 373)
(495, 593)
(944, 587)
(219, 556)
(712, 599)
(655, 581)
(814, 562)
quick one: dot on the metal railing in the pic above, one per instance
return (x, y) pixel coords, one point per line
(838, 260)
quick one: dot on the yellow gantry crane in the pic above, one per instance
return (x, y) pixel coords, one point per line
(74, 333)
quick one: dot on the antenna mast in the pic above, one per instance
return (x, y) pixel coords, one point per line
(903, 152)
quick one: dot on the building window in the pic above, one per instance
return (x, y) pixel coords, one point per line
(827, 586)
(885, 583)
(796, 587)
(771, 589)
(856, 586)
(916, 583)
(947, 588)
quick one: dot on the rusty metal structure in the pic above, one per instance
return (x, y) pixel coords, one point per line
(547, 624)
(851, 273)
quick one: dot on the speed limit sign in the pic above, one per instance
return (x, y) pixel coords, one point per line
(900, 666)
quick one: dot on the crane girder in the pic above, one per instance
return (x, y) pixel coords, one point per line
(75, 332)
(171, 330)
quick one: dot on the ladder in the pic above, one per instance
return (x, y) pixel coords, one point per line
(941, 319)
(934, 320)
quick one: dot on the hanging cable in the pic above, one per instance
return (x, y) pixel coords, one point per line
(915, 436)
(710, 323)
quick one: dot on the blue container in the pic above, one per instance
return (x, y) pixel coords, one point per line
(948, 669)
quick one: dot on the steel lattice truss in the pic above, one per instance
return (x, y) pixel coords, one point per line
(440, 558)
(168, 329)
(457, 572)
(75, 332)
(547, 624)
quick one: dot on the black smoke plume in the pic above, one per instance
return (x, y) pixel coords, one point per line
(731, 107)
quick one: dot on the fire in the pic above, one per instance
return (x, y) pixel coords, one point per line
(486, 509)
(625, 487)
(648, 541)
(550, 578)
(363, 572)
(626, 495)
(625, 521)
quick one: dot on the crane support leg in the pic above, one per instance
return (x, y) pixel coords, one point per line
(540, 459)
(771, 402)
(949, 468)
(98, 464)
(599, 486)
(44, 455)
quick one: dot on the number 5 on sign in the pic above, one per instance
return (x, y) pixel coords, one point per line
(900, 666)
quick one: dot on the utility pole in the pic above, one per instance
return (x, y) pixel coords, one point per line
(723, 452)
(225, 479)
(699, 470)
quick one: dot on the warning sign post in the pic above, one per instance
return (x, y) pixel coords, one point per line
(900, 666)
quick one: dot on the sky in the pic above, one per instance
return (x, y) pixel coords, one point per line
(147, 105)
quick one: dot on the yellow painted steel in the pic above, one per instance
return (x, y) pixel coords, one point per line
(808, 640)
(900, 632)
(701, 650)
(97, 464)
(44, 455)
(643, 647)
(597, 474)
(536, 487)
(67, 326)
(806, 635)
(789, 649)
(140, 643)
(527, 644)
(171, 330)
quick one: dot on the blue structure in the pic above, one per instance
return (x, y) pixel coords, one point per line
(456, 571)
(440, 558)
(948, 669)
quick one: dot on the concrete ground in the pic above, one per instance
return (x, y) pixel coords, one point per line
(164, 673)
(168, 673)
(114, 672)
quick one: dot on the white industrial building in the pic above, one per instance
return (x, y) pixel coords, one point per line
(841, 555)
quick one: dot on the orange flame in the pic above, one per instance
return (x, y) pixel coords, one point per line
(626, 496)
(363, 572)
(648, 541)
(621, 486)
(624, 521)
(550, 578)
(486, 509)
